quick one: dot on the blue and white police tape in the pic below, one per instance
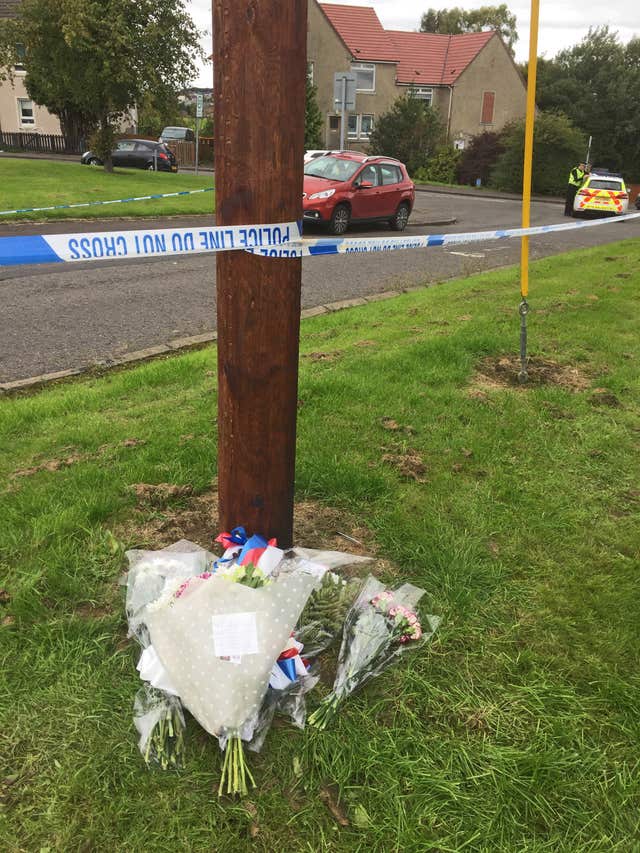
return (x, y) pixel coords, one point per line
(357, 245)
(59, 248)
(112, 201)
(282, 240)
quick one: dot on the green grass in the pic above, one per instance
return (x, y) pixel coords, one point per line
(44, 183)
(517, 729)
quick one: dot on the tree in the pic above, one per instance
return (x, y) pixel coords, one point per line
(312, 118)
(557, 146)
(154, 114)
(596, 84)
(409, 131)
(455, 20)
(90, 61)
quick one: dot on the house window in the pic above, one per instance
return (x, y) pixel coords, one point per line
(310, 72)
(25, 112)
(488, 104)
(21, 55)
(424, 93)
(365, 76)
(366, 126)
(359, 126)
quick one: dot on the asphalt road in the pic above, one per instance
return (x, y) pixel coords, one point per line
(57, 317)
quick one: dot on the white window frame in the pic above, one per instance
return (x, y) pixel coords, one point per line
(364, 66)
(29, 122)
(358, 132)
(361, 133)
(424, 93)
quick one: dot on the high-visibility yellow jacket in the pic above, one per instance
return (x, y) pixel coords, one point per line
(576, 176)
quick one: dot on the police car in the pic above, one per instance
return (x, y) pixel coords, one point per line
(602, 193)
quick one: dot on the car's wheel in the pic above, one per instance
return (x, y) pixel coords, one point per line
(340, 219)
(399, 221)
(94, 162)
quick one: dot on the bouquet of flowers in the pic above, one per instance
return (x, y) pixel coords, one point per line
(230, 638)
(218, 637)
(381, 625)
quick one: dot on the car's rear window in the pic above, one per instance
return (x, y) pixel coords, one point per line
(390, 174)
(332, 168)
(605, 184)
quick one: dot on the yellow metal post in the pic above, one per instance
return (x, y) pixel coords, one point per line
(526, 182)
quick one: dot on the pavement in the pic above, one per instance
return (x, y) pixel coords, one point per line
(75, 317)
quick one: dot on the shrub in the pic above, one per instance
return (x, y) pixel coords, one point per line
(479, 158)
(557, 146)
(441, 168)
(409, 131)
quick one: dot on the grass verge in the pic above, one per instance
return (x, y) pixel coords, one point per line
(43, 183)
(517, 509)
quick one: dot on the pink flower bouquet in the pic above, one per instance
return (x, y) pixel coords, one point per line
(380, 626)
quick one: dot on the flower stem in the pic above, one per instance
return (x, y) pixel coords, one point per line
(235, 772)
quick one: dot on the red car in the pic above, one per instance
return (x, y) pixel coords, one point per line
(350, 187)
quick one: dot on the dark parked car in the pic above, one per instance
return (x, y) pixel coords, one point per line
(137, 154)
(177, 134)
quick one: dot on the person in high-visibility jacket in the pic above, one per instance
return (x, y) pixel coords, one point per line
(576, 180)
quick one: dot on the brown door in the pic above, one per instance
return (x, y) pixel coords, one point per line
(333, 133)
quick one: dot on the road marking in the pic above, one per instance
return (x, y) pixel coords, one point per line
(467, 254)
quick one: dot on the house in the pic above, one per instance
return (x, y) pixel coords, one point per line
(472, 78)
(18, 113)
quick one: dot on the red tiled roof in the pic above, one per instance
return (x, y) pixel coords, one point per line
(430, 59)
(361, 31)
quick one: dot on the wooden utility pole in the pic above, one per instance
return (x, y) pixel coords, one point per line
(259, 104)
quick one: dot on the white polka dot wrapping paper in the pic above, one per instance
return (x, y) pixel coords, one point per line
(223, 694)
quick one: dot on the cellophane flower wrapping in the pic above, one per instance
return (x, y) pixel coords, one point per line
(289, 701)
(160, 722)
(224, 692)
(373, 638)
(153, 575)
(158, 716)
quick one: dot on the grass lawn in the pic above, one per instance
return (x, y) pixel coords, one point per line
(42, 183)
(516, 729)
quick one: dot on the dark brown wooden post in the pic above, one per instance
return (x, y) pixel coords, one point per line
(259, 92)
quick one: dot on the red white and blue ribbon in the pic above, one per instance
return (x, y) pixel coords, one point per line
(289, 667)
(244, 550)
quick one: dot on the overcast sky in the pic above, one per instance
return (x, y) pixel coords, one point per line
(563, 23)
